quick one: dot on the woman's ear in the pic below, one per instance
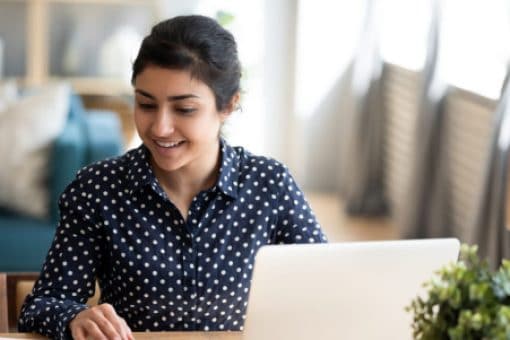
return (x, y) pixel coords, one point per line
(232, 105)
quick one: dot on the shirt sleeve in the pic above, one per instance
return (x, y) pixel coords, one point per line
(296, 222)
(67, 279)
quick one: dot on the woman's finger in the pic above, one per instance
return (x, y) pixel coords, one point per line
(118, 323)
(93, 331)
(128, 330)
(78, 333)
(105, 326)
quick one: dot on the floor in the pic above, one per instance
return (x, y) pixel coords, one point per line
(339, 227)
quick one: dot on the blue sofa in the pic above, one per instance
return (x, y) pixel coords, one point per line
(87, 137)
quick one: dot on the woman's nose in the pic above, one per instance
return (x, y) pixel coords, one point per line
(163, 124)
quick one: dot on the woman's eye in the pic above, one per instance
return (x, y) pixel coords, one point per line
(147, 107)
(185, 110)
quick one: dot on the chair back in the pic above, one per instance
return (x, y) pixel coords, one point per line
(14, 288)
(401, 100)
(467, 142)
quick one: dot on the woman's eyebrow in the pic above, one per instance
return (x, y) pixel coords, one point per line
(145, 94)
(170, 98)
(182, 96)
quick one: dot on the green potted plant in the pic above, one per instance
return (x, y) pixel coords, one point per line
(464, 300)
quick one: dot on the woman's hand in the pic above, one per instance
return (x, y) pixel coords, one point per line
(100, 322)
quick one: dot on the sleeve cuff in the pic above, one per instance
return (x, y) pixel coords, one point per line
(63, 331)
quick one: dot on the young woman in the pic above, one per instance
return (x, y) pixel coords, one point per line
(170, 230)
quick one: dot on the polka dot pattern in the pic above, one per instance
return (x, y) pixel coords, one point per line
(159, 270)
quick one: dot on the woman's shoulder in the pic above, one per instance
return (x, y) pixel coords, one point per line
(107, 174)
(260, 167)
(109, 167)
(104, 176)
(104, 179)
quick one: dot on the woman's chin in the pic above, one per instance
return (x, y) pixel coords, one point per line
(168, 165)
(168, 159)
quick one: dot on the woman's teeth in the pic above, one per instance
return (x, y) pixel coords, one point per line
(169, 144)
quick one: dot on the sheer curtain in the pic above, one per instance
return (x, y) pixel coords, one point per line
(424, 215)
(492, 236)
(362, 177)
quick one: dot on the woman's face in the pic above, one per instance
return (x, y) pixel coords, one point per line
(176, 118)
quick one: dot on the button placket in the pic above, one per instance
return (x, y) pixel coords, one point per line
(196, 208)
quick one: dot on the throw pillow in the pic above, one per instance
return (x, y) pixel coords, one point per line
(27, 129)
(8, 94)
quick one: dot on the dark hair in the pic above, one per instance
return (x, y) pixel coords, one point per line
(197, 44)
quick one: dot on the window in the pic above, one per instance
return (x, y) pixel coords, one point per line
(474, 47)
(327, 35)
(404, 31)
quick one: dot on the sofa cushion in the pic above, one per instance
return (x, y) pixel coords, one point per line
(68, 155)
(24, 242)
(104, 133)
(28, 128)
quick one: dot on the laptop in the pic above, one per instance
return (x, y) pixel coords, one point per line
(355, 290)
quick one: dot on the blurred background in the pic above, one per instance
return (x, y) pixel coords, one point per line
(391, 114)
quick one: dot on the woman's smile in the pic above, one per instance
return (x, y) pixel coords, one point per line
(169, 148)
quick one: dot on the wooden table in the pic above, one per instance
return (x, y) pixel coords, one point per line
(150, 335)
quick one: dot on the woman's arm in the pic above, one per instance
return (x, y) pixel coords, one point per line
(296, 222)
(62, 288)
(68, 276)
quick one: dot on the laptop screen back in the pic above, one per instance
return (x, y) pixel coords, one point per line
(352, 290)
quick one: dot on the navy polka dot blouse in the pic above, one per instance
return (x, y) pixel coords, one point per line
(158, 270)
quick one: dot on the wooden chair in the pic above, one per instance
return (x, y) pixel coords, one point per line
(14, 287)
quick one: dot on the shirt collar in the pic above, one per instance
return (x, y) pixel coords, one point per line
(140, 172)
(229, 170)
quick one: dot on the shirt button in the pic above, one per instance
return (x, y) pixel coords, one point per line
(187, 239)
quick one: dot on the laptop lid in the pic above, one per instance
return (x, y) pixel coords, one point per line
(349, 290)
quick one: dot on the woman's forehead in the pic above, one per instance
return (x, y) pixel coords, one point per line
(158, 81)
